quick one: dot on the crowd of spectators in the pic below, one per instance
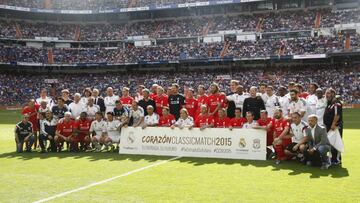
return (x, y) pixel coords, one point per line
(90, 4)
(181, 27)
(178, 51)
(16, 89)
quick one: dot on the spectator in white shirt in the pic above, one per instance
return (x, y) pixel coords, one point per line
(91, 108)
(185, 121)
(77, 107)
(312, 99)
(110, 100)
(272, 101)
(262, 90)
(321, 105)
(284, 101)
(87, 94)
(152, 119)
(297, 104)
(44, 97)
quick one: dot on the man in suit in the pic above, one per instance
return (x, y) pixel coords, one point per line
(318, 143)
(98, 100)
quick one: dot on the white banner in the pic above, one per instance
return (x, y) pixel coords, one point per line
(211, 142)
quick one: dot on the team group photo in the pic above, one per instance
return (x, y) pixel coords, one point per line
(179, 101)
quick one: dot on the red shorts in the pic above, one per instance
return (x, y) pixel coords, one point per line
(60, 139)
(35, 126)
(79, 138)
(269, 140)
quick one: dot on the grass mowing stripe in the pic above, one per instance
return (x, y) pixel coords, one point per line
(104, 181)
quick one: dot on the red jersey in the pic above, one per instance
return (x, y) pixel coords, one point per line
(65, 128)
(83, 125)
(160, 102)
(152, 96)
(166, 121)
(279, 127)
(270, 132)
(304, 95)
(127, 100)
(204, 120)
(191, 105)
(31, 112)
(202, 100)
(213, 101)
(237, 122)
(222, 122)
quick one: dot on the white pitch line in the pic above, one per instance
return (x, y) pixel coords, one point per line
(104, 181)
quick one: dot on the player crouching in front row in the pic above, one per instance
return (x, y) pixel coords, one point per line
(298, 136)
(112, 135)
(64, 131)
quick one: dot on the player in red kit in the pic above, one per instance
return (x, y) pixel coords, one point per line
(166, 120)
(126, 99)
(237, 121)
(215, 100)
(204, 120)
(281, 138)
(64, 131)
(191, 104)
(81, 132)
(161, 100)
(32, 111)
(201, 98)
(222, 121)
(153, 91)
(267, 124)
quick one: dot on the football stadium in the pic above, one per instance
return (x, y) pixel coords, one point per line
(179, 101)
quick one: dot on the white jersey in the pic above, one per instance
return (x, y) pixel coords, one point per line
(284, 104)
(298, 106)
(41, 110)
(138, 97)
(248, 125)
(99, 127)
(137, 115)
(151, 120)
(91, 111)
(84, 100)
(112, 128)
(48, 100)
(311, 101)
(110, 103)
(271, 104)
(298, 131)
(320, 110)
(238, 99)
(76, 109)
(264, 97)
(188, 122)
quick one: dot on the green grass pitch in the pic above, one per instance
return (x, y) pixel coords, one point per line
(30, 177)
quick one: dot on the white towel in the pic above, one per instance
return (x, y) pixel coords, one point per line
(335, 140)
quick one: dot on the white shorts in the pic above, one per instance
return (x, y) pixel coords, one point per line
(115, 139)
